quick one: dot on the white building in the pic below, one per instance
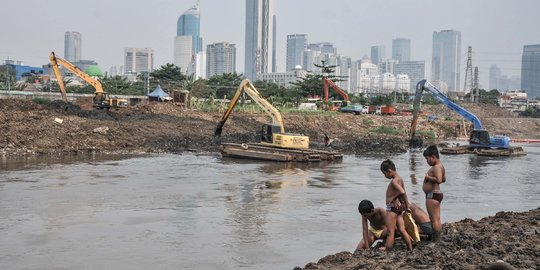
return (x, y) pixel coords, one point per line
(72, 46)
(403, 83)
(284, 78)
(138, 60)
(220, 59)
(387, 83)
(183, 56)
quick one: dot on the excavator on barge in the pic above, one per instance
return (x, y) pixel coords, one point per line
(275, 143)
(480, 142)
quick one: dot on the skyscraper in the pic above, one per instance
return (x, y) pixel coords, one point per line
(189, 24)
(72, 46)
(188, 53)
(494, 77)
(220, 59)
(377, 54)
(530, 70)
(295, 46)
(401, 49)
(259, 39)
(138, 60)
(446, 58)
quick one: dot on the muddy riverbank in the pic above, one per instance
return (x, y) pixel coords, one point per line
(508, 240)
(28, 128)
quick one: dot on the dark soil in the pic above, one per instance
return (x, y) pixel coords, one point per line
(27, 128)
(489, 243)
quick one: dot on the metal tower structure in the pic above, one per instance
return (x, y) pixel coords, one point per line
(468, 87)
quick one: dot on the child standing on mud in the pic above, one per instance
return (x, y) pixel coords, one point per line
(396, 204)
(376, 218)
(432, 181)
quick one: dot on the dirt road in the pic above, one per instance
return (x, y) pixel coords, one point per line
(27, 128)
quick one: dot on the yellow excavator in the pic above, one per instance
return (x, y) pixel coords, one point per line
(101, 99)
(273, 134)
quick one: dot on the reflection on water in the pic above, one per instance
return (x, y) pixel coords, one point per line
(203, 212)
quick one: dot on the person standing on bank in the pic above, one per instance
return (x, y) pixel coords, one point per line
(432, 181)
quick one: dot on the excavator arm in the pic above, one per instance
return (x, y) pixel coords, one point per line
(247, 87)
(101, 99)
(479, 136)
(338, 90)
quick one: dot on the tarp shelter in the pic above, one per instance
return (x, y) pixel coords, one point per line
(158, 95)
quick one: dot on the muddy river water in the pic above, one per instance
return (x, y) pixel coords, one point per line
(202, 212)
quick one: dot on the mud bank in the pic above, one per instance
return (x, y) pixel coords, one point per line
(508, 240)
(27, 128)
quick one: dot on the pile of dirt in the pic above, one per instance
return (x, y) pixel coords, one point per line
(28, 128)
(489, 243)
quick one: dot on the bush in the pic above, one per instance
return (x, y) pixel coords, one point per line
(385, 130)
(426, 134)
(42, 101)
(367, 121)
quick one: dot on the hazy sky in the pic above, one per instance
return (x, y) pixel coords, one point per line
(496, 29)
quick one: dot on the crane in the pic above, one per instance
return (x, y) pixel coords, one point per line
(479, 138)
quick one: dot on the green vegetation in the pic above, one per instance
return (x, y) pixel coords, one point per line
(426, 134)
(367, 122)
(42, 101)
(385, 130)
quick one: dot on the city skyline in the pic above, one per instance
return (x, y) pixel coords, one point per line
(496, 30)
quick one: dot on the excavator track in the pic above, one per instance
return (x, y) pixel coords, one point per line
(264, 152)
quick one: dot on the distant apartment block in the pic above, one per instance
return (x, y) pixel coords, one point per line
(295, 46)
(138, 60)
(415, 70)
(283, 78)
(220, 59)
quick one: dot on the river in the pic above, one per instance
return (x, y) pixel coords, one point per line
(194, 211)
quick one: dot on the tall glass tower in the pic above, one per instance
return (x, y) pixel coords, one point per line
(72, 46)
(446, 58)
(401, 49)
(259, 38)
(530, 70)
(295, 46)
(378, 53)
(189, 24)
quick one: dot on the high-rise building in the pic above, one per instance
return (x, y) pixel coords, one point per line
(259, 39)
(72, 46)
(183, 52)
(530, 70)
(494, 77)
(189, 24)
(188, 44)
(295, 46)
(446, 58)
(401, 49)
(138, 60)
(416, 71)
(377, 54)
(220, 59)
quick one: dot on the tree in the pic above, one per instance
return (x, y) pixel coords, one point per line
(117, 85)
(168, 76)
(225, 85)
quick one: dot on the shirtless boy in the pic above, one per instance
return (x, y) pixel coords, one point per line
(396, 204)
(432, 181)
(421, 218)
(377, 229)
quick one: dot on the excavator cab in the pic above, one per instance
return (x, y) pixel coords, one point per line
(268, 131)
(102, 101)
